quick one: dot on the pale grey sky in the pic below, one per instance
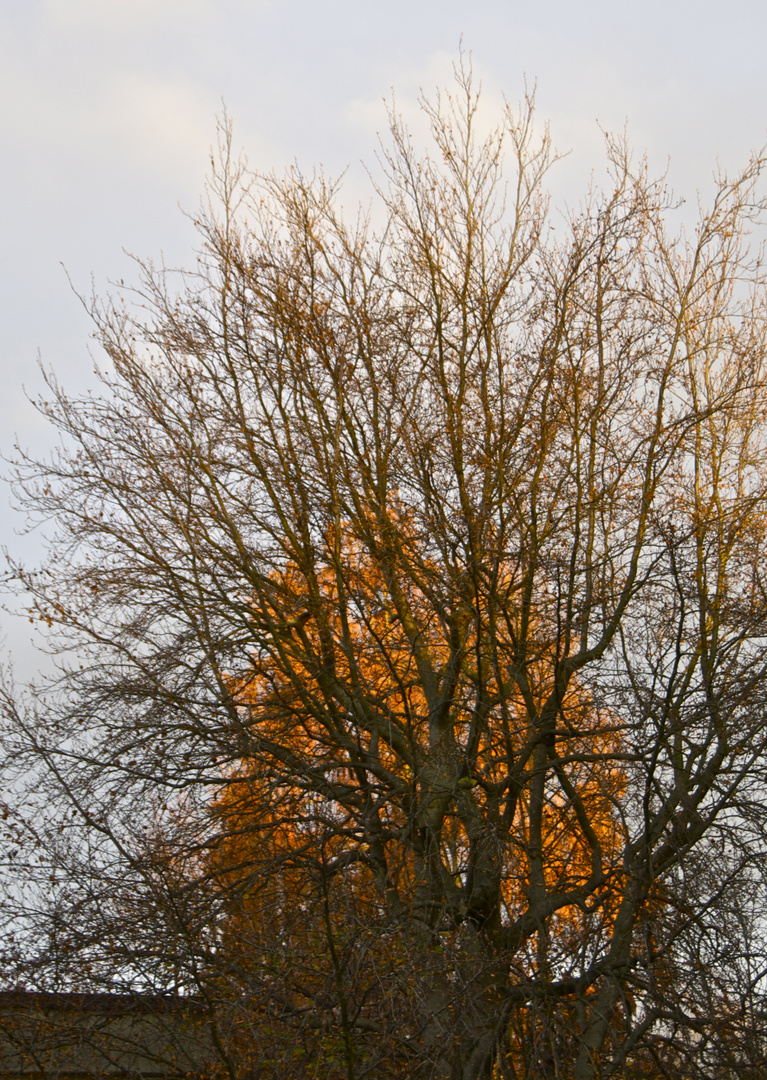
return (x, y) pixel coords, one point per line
(107, 113)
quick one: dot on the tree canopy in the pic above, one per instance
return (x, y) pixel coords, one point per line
(408, 577)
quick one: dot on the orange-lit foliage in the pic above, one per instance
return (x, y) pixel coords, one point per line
(313, 908)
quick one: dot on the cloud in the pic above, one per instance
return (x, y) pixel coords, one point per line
(76, 106)
(415, 83)
(118, 15)
(151, 118)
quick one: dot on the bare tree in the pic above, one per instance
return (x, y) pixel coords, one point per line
(413, 584)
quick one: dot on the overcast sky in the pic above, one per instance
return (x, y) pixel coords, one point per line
(108, 108)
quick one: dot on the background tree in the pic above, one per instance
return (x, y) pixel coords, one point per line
(413, 582)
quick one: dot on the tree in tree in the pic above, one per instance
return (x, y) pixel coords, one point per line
(413, 582)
